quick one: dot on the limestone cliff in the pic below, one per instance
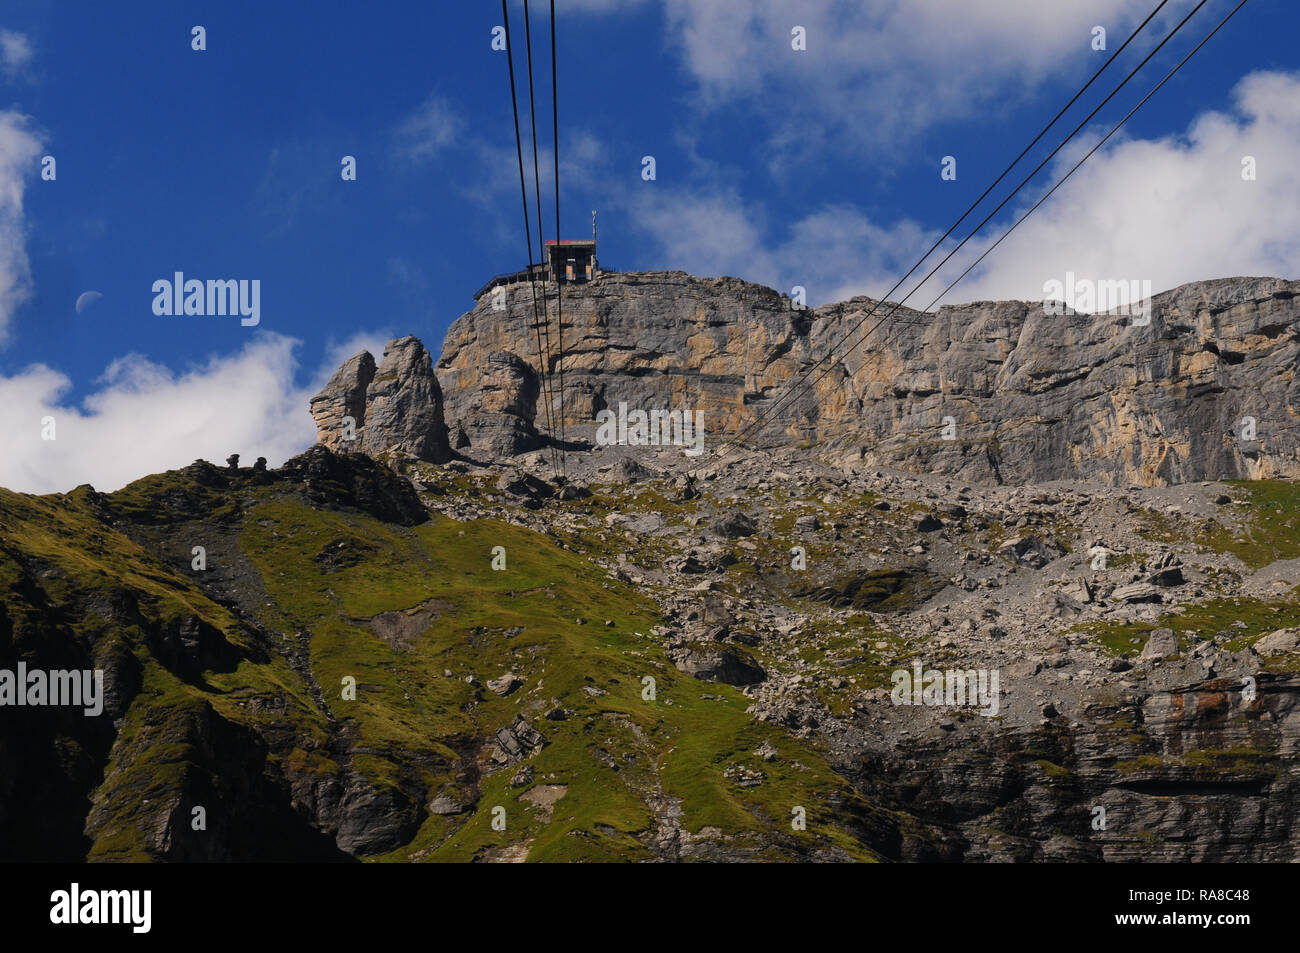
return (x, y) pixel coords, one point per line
(397, 405)
(988, 391)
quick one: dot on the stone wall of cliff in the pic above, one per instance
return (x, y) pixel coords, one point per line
(987, 391)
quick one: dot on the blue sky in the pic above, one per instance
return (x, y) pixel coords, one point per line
(817, 167)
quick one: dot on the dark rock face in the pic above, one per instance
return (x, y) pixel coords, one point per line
(372, 819)
(45, 789)
(395, 406)
(729, 665)
(1103, 792)
(331, 480)
(879, 590)
(188, 647)
(248, 816)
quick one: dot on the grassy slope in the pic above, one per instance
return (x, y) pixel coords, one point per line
(412, 723)
(84, 567)
(680, 743)
(1266, 531)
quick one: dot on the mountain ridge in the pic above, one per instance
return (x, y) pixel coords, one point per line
(993, 392)
(382, 648)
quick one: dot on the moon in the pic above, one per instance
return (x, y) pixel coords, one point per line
(87, 299)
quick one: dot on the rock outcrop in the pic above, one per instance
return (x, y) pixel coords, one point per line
(395, 406)
(496, 408)
(344, 397)
(991, 392)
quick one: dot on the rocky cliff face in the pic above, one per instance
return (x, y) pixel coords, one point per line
(991, 392)
(395, 406)
(1191, 774)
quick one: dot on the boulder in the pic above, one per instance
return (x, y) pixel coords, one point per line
(517, 742)
(1166, 571)
(526, 488)
(734, 526)
(504, 685)
(1136, 592)
(720, 664)
(445, 805)
(1162, 643)
(1282, 640)
(1031, 551)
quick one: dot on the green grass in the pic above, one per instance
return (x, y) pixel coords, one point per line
(1240, 759)
(1266, 530)
(1216, 617)
(677, 747)
(411, 729)
(110, 593)
(1271, 529)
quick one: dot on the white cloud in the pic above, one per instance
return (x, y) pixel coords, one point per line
(431, 128)
(495, 186)
(336, 352)
(19, 150)
(145, 418)
(710, 232)
(876, 71)
(702, 231)
(832, 246)
(1171, 210)
(15, 53)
